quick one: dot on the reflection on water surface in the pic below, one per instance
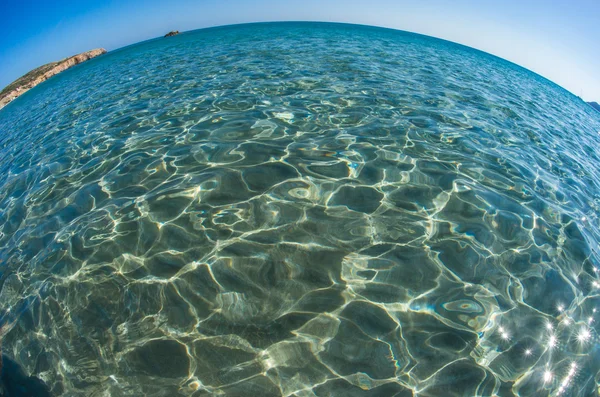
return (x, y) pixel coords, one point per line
(301, 210)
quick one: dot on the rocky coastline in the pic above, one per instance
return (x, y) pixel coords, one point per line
(43, 73)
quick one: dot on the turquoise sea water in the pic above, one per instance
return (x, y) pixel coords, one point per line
(301, 209)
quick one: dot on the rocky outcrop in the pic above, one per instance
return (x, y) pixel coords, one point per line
(43, 73)
(172, 33)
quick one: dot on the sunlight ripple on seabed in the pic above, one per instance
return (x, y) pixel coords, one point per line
(301, 210)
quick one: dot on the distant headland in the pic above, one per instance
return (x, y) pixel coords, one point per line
(43, 73)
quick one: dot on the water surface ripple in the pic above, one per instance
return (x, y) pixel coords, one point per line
(301, 210)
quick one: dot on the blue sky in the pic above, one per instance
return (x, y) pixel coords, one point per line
(555, 38)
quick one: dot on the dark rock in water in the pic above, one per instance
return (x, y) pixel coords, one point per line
(15, 383)
(164, 358)
(172, 33)
(595, 105)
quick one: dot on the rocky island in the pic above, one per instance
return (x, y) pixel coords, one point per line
(43, 73)
(172, 33)
(595, 105)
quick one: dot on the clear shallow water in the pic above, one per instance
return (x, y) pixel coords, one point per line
(301, 210)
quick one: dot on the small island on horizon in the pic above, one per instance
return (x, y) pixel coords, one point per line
(43, 73)
(595, 105)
